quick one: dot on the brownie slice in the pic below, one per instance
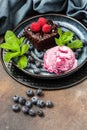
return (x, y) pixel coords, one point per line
(41, 40)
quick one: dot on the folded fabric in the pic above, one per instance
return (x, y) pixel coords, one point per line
(12, 12)
(77, 9)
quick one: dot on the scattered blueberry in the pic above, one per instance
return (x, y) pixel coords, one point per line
(36, 71)
(39, 92)
(22, 100)
(21, 35)
(34, 100)
(79, 50)
(27, 53)
(29, 65)
(31, 47)
(30, 58)
(16, 108)
(28, 104)
(40, 103)
(15, 59)
(49, 104)
(30, 93)
(40, 113)
(25, 109)
(16, 98)
(84, 42)
(41, 55)
(74, 38)
(32, 112)
(38, 64)
(76, 55)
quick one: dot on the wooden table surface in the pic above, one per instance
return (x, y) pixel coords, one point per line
(69, 111)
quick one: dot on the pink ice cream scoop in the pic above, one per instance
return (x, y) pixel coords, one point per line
(59, 59)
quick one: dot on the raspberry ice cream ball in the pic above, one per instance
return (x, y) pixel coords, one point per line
(59, 59)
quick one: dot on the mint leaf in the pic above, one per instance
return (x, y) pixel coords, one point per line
(59, 42)
(64, 37)
(22, 62)
(24, 48)
(11, 37)
(75, 44)
(11, 47)
(15, 49)
(5, 46)
(12, 40)
(60, 32)
(9, 55)
(21, 40)
(67, 36)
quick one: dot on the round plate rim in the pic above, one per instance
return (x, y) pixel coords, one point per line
(53, 14)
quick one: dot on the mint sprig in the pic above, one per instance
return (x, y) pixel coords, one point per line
(22, 62)
(15, 48)
(66, 38)
(76, 44)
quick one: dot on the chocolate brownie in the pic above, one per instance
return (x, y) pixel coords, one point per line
(41, 39)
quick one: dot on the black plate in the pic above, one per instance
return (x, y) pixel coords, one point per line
(66, 23)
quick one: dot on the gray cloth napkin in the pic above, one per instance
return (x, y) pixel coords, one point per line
(12, 12)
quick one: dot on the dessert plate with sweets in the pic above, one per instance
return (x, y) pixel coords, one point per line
(47, 46)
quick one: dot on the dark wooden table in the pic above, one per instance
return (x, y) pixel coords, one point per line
(69, 111)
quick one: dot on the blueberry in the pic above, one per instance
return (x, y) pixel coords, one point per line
(79, 50)
(30, 93)
(21, 35)
(28, 104)
(16, 108)
(38, 64)
(40, 113)
(31, 47)
(49, 104)
(22, 100)
(16, 98)
(41, 55)
(34, 100)
(40, 103)
(29, 65)
(76, 55)
(32, 112)
(39, 92)
(25, 109)
(16, 59)
(84, 42)
(36, 71)
(27, 53)
(30, 58)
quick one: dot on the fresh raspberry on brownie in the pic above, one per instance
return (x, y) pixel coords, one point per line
(46, 28)
(35, 27)
(42, 21)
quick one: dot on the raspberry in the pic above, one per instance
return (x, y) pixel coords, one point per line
(42, 21)
(35, 27)
(46, 28)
